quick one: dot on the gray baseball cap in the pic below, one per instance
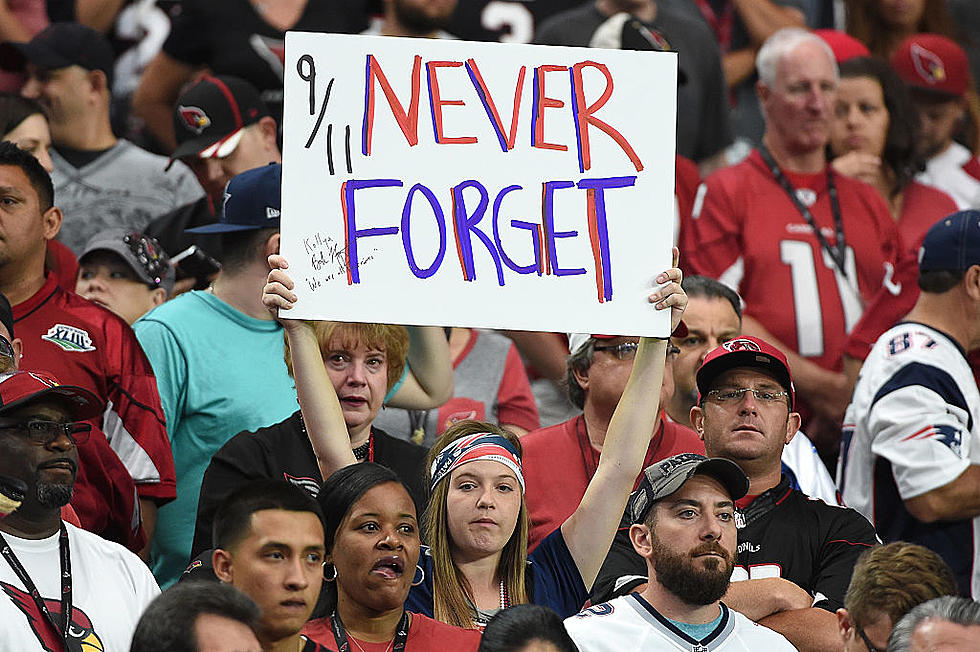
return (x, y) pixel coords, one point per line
(667, 476)
(144, 254)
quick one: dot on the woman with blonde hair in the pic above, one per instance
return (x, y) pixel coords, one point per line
(477, 561)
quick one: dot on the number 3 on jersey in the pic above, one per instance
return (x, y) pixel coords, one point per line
(806, 293)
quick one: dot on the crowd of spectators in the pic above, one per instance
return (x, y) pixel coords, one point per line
(796, 467)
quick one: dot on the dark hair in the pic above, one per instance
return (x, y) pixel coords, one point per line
(338, 494)
(14, 109)
(953, 609)
(937, 281)
(512, 629)
(900, 154)
(239, 248)
(345, 487)
(167, 624)
(864, 22)
(233, 518)
(709, 288)
(40, 180)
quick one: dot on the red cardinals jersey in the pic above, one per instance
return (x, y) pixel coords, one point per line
(84, 344)
(747, 232)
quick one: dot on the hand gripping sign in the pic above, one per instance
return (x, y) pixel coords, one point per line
(477, 184)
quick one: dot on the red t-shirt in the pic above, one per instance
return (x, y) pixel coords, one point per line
(424, 635)
(84, 344)
(558, 463)
(922, 206)
(749, 234)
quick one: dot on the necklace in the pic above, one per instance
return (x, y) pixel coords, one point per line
(358, 645)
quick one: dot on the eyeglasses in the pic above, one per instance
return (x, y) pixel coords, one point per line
(735, 395)
(149, 254)
(45, 432)
(864, 637)
(627, 350)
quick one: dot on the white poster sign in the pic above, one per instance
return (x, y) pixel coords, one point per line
(477, 184)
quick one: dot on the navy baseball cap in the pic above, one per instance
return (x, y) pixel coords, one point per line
(667, 476)
(952, 243)
(252, 201)
(60, 45)
(211, 114)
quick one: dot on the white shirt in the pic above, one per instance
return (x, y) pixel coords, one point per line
(950, 171)
(631, 623)
(110, 589)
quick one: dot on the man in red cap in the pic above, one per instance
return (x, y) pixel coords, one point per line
(937, 73)
(61, 587)
(795, 555)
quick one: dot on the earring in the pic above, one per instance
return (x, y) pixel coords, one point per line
(420, 574)
(334, 568)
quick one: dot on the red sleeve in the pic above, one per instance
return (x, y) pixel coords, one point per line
(713, 242)
(884, 311)
(687, 178)
(62, 263)
(515, 402)
(134, 422)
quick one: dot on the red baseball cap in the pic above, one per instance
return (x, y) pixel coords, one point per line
(24, 387)
(745, 351)
(844, 45)
(933, 63)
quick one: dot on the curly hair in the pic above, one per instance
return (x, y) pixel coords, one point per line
(864, 21)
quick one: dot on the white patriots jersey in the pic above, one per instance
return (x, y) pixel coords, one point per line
(631, 623)
(912, 427)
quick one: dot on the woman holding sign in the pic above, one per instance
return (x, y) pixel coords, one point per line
(476, 524)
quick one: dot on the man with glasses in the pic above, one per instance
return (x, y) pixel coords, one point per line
(84, 345)
(49, 568)
(795, 555)
(560, 460)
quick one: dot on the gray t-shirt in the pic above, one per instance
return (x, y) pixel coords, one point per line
(125, 187)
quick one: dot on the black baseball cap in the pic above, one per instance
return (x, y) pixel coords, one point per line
(211, 113)
(667, 476)
(60, 45)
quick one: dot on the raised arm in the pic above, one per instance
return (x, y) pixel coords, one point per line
(429, 370)
(318, 402)
(589, 531)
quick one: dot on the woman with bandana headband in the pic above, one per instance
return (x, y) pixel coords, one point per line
(476, 525)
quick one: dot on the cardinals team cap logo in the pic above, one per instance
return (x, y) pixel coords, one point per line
(741, 344)
(194, 118)
(928, 64)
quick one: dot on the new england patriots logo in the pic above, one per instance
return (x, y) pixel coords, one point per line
(947, 435)
(929, 66)
(81, 633)
(194, 118)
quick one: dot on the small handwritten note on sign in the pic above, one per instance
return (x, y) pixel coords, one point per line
(477, 184)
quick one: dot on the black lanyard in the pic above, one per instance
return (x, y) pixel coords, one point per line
(64, 626)
(340, 634)
(837, 254)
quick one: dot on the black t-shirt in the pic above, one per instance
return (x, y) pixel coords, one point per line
(230, 38)
(511, 21)
(782, 533)
(283, 452)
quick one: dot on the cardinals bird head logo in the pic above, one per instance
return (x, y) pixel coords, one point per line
(194, 118)
(81, 632)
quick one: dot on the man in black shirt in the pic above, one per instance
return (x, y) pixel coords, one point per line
(795, 555)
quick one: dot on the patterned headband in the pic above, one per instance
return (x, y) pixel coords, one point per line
(481, 446)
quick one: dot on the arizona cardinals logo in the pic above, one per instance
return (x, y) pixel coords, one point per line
(929, 66)
(81, 633)
(194, 118)
(740, 344)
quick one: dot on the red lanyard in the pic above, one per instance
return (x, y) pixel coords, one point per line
(720, 25)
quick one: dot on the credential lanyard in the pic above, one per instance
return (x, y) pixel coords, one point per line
(837, 254)
(343, 645)
(66, 607)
